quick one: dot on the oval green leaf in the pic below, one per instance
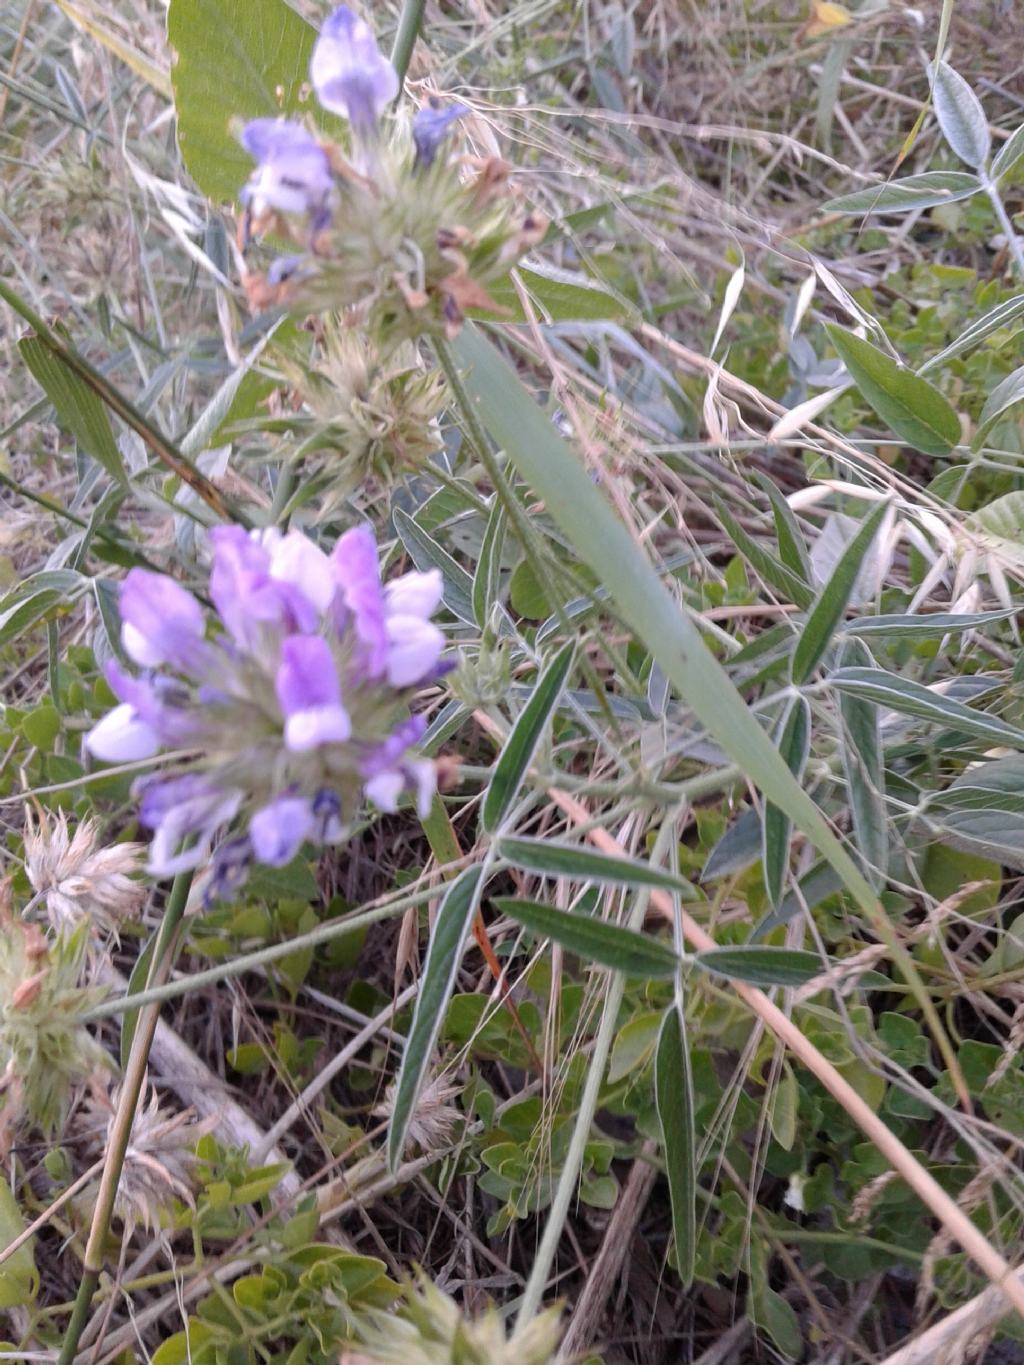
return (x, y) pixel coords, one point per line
(914, 410)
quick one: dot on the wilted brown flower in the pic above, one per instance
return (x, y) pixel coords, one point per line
(78, 880)
(158, 1163)
(434, 1121)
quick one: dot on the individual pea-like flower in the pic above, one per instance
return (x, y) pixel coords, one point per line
(429, 128)
(289, 715)
(350, 74)
(77, 879)
(293, 174)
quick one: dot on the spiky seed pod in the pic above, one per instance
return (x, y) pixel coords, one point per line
(430, 1329)
(45, 1049)
(363, 419)
(158, 1163)
(77, 879)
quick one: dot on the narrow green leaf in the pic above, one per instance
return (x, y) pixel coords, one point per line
(78, 408)
(763, 966)
(426, 553)
(794, 741)
(792, 547)
(594, 940)
(554, 858)
(930, 626)
(864, 769)
(487, 578)
(813, 887)
(976, 331)
(673, 1096)
(35, 597)
(517, 753)
(826, 614)
(578, 508)
(1010, 154)
(1005, 394)
(234, 59)
(447, 941)
(914, 699)
(913, 409)
(775, 574)
(925, 191)
(960, 115)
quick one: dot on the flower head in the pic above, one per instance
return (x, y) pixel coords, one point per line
(431, 1329)
(158, 1163)
(293, 174)
(350, 74)
(296, 709)
(45, 1047)
(79, 881)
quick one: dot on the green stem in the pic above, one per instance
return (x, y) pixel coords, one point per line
(568, 1180)
(286, 480)
(121, 1132)
(405, 39)
(1012, 240)
(323, 933)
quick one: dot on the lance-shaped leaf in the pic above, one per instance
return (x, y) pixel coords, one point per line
(794, 741)
(426, 554)
(594, 940)
(864, 769)
(791, 586)
(78, 408)
(556, 858)
(673, 1095)
(925, 191)
(447, 941)
(932, 625)
(521, 744)
(763, 966)
(960, 115)
(914, 699)
(827, 612)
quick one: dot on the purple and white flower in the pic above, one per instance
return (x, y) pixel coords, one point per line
(349, 72)
(286, 715)
(429, 128)
(293, 174)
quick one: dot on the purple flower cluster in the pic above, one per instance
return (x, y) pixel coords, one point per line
(289, 715)
(352, 78)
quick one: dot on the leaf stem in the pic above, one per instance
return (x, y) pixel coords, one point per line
(1012, 239)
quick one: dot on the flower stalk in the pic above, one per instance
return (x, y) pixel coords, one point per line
(165, 953)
